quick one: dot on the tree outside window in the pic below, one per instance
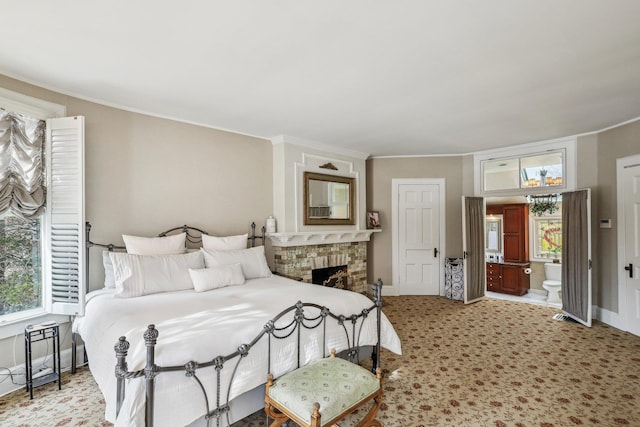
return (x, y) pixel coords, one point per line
(20, 264)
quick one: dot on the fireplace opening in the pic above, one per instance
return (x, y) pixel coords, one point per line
(333, 277)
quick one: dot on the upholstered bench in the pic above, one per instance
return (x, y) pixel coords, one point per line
(323, 392)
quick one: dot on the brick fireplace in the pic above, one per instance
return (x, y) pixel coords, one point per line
(298, 254)
(300, 261)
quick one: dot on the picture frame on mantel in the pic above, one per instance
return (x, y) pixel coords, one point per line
(373, 219)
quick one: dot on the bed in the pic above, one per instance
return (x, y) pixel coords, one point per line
(216, 328)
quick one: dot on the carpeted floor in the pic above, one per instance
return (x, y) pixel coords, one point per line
(494, 363)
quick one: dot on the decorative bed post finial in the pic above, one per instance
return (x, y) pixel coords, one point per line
(151, 335)
(121, 347)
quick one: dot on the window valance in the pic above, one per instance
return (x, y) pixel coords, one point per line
(22, 180)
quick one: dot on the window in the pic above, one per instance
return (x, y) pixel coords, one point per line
(536, 168)
(41, 245)
(545, 170)
(546, 237)
(538, 171)
(20, 264)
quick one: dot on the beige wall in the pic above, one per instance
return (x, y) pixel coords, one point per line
(146, 174)
(537, 276)
(587, 177)
(613, 144)
(380, 172)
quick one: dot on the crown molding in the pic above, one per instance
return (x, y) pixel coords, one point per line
(287, 139)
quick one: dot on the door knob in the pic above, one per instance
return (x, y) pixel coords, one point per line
(435, 252)
(629, 268)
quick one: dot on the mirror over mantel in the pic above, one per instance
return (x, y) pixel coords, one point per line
(328, 199)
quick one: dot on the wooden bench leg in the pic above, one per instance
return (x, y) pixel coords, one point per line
(370, 419)
(278, 417)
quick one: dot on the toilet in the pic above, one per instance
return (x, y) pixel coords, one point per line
(552, 282)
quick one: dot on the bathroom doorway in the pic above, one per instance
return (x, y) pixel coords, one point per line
(553, 223)
(516, 256)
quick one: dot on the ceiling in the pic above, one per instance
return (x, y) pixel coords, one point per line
(379, 77)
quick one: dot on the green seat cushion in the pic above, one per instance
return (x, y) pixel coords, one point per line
(336, 384)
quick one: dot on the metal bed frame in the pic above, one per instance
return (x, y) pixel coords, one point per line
(193, 236)
(287, 323)
(284, 325)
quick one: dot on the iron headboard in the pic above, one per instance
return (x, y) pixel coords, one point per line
(193, 235)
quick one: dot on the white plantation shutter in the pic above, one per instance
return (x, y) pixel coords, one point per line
(64, 267)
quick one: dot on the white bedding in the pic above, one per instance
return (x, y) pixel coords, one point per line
(200, 326)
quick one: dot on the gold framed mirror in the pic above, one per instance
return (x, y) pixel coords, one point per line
(328, 199)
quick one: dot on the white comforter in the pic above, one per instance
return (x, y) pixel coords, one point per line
(200, 326)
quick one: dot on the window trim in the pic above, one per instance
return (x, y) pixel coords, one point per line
(30, 106)
(13, 323)
(526, 150)
(15, 326)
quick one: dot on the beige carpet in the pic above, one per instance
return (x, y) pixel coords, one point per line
(494, 363)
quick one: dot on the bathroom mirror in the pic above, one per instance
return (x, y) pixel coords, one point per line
(493, 233)
(328, 199)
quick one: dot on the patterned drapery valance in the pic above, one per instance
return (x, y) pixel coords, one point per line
(22, 180)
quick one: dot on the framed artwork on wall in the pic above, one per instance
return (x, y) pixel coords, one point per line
(373, 219)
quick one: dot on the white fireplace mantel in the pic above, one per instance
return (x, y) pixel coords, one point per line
(320, 237)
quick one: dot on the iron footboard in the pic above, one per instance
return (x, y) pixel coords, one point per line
(288, 323)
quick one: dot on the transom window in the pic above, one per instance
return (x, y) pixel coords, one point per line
(524, 173)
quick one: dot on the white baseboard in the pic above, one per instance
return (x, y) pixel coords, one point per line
(608, 317)
(65, 360)
(537, 291)
(389, 291)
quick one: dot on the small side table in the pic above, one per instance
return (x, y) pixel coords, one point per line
(35, 333)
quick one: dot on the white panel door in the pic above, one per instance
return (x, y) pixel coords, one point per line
(418, 239)
(629, 274)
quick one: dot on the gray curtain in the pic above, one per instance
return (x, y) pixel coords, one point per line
(575, 255)
(475, 260)
(22, 181)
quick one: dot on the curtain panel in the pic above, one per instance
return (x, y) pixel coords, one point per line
(476, 263)
(22, 167)
(575, 254)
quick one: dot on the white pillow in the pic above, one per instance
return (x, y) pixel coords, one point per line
(254, 264)
(155, 245)
(109, 278)
(137, 275)
(229, 243)
(206, 279)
